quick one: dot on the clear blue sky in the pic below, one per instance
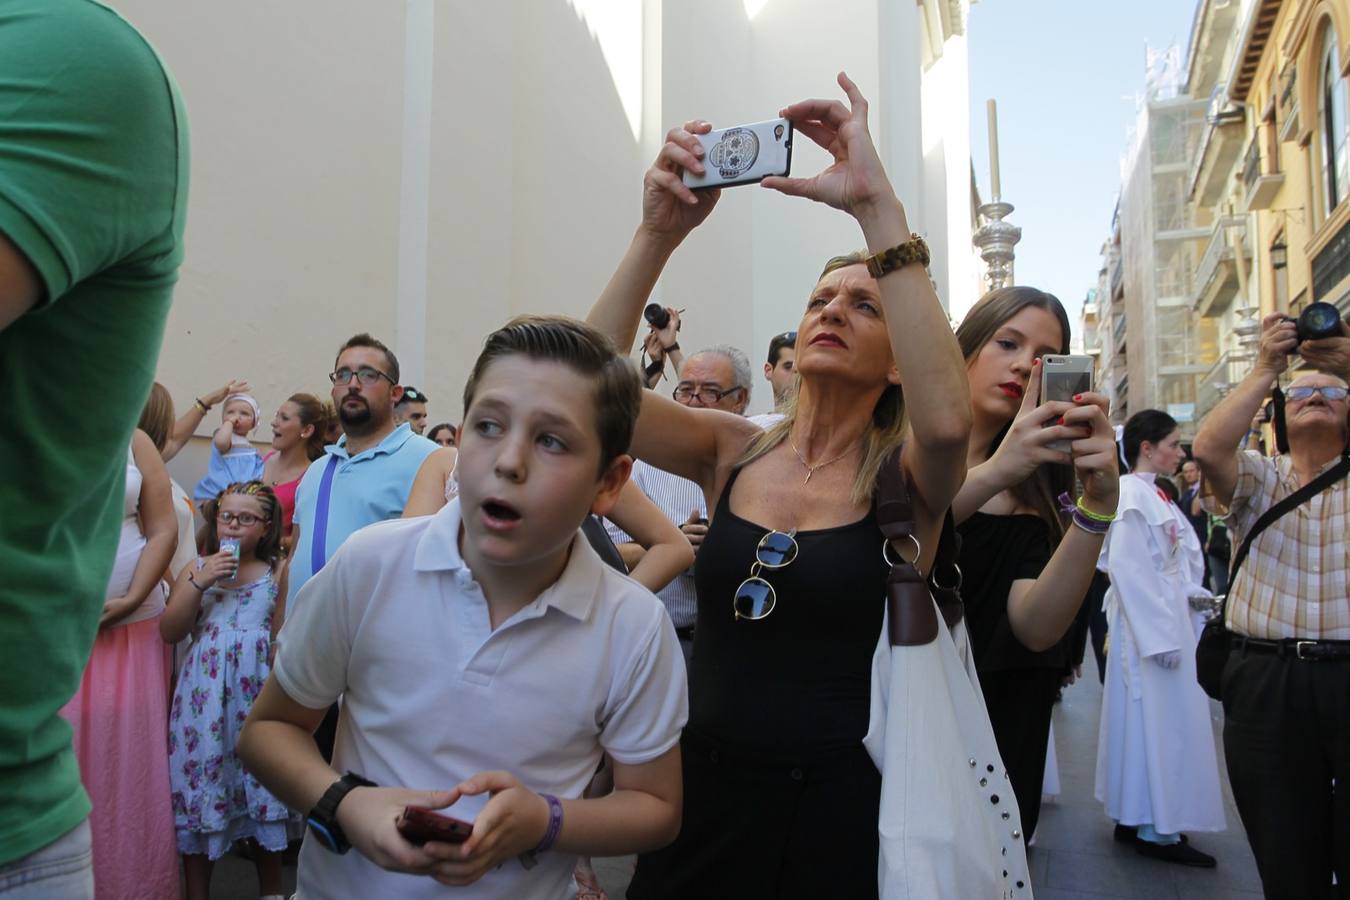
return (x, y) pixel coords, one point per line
(1065, 74)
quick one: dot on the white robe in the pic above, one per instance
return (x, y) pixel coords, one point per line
(1156, 761)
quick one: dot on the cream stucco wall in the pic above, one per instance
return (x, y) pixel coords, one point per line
(424, 170)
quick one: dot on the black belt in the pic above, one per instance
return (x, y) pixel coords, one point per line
(686, 633)
(1298, 648)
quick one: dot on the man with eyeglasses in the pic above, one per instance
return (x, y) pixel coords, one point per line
(366, 476)
(717, 377)
(1286, 685)
(412, 408)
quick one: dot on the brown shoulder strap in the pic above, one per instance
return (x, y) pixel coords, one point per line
(909, 602)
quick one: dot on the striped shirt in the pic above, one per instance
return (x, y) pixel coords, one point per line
(1295, 582)
(678, 498)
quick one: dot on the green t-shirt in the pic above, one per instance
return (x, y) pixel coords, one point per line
(93, 190)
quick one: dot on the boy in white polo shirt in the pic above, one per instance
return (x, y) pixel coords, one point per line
(486, 651)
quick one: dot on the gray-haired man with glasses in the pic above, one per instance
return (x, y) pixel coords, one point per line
(717, 378)
(1286, 684)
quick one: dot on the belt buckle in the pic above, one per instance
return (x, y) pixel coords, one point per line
(1299, 647)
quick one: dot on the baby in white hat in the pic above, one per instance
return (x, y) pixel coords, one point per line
(233, 457)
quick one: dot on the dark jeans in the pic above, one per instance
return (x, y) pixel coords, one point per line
(1286, 735)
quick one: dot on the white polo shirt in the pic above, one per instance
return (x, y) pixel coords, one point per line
(397, 626)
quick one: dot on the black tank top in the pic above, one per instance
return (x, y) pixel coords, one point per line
(796, 683)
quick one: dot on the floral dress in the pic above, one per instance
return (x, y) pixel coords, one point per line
(216, 802)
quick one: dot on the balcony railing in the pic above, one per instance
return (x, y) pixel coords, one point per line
(1287, 109)
(1218, 250)
(1227, 371)
(1251, 163)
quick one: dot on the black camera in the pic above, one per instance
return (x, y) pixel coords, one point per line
(659, 317)
(1317, 321)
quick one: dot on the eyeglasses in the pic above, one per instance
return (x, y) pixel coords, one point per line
(707, 395)
(365, 374)
(247, 519)
(787, 337)
(413, 395)
(1328, 392)
(756, 598)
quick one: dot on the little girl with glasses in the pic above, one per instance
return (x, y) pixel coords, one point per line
(232, 604)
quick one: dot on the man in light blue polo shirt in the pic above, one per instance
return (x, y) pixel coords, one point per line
(366, 476)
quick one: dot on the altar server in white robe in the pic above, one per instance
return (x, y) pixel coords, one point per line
(1157, 770)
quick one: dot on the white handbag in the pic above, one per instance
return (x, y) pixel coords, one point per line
(949, 824)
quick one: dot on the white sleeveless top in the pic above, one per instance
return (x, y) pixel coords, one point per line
(130, 546)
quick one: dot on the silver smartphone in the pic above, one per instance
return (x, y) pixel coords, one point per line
(744, 154)
(1063, 376)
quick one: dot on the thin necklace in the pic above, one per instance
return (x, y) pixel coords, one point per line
(810, 469)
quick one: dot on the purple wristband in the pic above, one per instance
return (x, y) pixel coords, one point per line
(1090, 525)
(554, 824)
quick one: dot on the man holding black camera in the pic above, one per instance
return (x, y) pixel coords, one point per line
(1286, 683)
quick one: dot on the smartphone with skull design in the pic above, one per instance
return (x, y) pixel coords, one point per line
(744, 154)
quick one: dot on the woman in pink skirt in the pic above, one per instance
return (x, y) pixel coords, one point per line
(120, 714)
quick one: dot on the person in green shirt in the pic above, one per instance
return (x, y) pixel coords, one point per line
(93, 192)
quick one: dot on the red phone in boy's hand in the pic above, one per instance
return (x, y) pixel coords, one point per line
(420, 825)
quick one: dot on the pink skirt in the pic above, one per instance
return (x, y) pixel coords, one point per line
(120, 715)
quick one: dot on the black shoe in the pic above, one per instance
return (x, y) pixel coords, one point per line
(1181, 852)
(1125, 833)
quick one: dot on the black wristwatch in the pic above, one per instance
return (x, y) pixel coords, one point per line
(323, 817)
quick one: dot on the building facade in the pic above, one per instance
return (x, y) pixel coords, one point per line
(425, 170)
(1162, 348)
(1265, 199)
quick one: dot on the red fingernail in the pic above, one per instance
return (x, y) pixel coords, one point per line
(1061, 420)
(1078, 396)
(1035, 363)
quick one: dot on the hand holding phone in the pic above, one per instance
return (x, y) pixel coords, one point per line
(1064, 377)
(420, 825)
(743, 154)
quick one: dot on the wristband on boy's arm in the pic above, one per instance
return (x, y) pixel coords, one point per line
(530, 858)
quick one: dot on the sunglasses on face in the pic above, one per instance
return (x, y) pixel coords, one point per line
(245, 519)
(756, 598)
(1328, 392)
(365, 374)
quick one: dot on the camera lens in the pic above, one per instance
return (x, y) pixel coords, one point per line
(1317, 321)
(659, 318)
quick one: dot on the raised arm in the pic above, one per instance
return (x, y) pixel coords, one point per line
(688, 442)
(932, 371)
(187, 423)
(1223, 430)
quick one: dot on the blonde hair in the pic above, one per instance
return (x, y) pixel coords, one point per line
(884, 433)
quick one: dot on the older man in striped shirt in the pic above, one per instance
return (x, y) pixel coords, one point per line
(1286, 687)
(716, 378)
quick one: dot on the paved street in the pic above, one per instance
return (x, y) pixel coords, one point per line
(1073, 857)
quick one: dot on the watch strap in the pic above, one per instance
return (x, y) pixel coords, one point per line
(911, 251)
(322, 818)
